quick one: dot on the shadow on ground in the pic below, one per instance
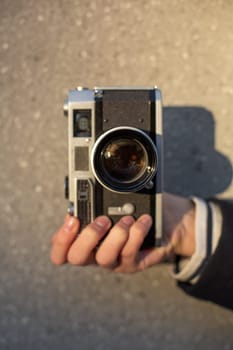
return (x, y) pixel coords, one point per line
(192, 165)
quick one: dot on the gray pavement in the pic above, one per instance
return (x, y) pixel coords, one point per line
(48, 47)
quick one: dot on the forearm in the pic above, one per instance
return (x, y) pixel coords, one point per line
(209, 272)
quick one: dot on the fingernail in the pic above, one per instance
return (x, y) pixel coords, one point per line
(102, 221)
(146, 220)
(69, 224)
(127, 220)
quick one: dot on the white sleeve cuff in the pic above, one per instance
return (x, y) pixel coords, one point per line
(208, 223)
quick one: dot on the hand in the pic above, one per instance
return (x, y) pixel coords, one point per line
(120, 248)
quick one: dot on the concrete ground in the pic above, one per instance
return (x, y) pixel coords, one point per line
(49, 47)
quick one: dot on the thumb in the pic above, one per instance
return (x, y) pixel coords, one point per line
(148, 258)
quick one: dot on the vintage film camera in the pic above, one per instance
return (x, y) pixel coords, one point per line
(115, 155)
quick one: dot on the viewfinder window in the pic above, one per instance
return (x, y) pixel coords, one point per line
(82, 122)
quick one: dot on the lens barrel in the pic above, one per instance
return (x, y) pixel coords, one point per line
(124, 159)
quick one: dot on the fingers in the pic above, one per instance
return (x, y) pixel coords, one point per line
(107, 254)
(66, 246)
(138, 232)
(81, 251)
(120, 249)
(62, 240)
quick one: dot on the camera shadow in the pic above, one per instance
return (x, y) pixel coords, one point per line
(192, 165)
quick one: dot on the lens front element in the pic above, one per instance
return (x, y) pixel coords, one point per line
(124, 159)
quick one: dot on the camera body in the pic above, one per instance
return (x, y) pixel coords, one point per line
(115, 155)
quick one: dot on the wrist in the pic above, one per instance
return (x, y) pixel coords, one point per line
(203, 223)
(179, 224)
(185, 246)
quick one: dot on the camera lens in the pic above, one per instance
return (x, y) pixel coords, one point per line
(124, 159)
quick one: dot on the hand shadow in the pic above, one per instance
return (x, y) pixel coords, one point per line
(192, 166)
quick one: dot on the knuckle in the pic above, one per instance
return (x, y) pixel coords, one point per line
(127, 255)
(139, 229)
(74, 259)
(62, 240)
(121, 231)
(53, 238)
(93, 229)
(102, 260)
(143, 265)
(56, 261)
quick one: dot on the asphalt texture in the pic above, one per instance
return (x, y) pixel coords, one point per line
(49, 47)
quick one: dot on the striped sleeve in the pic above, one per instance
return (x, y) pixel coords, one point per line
(208, 226)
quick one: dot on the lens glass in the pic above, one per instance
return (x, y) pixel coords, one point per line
(124, 160)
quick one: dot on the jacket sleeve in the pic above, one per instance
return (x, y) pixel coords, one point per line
(214, 276)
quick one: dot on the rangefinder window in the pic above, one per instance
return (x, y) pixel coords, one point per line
(82, 122)
(81, 159)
